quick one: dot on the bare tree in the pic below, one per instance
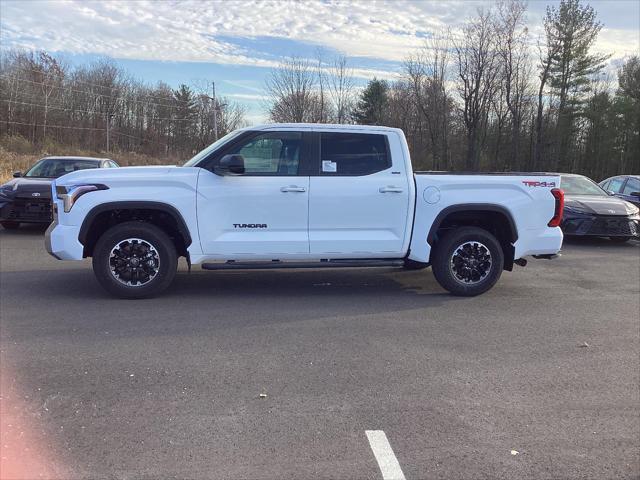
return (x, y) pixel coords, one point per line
(477, 67)
(512, 37)
(341, 86)
(291, 89)
(427, 73)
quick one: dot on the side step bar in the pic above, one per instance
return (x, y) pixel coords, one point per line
(233, 265)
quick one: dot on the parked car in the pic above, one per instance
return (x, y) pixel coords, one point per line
(27, 198)
(590, 210)
(626, 187)
(300, 195)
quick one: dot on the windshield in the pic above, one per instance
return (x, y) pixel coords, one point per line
(56, 167)
(580, 186)
(204, 153)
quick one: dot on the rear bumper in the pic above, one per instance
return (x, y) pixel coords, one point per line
(544, 243)
(61, 241)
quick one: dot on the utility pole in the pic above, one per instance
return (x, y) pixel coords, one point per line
(108, 122)
(215, 112)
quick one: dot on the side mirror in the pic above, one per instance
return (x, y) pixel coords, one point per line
(610, 192)
(230, 165)
(635, 194)
(17, 174)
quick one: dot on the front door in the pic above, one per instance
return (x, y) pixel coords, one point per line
(262, 213)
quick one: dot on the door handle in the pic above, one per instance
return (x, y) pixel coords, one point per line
(390, 189)
(292, 188)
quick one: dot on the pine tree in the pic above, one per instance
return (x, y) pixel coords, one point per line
(372, 106)
(572, 27)
(185, 115)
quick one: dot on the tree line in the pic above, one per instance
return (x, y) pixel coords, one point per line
(488, 97)
(99, 107)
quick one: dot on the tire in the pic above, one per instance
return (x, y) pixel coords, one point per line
(117, 260)
(413, 265)
(462, 245)
(619, 239)
(10, 225)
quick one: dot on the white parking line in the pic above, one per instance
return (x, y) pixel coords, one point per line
(383, 452)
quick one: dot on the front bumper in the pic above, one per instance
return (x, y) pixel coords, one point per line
(61, 241)
(601, 225)
(24, 210)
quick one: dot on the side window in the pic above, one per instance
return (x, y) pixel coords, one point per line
(615, 184)
(271, 153)
(633, 185)
(605, 185)
(112, 164)
(353, 153)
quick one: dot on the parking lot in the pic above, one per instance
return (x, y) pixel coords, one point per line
(279, 374)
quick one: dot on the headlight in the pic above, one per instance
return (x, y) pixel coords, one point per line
(69, 194)
(632, 210)
(5, 190)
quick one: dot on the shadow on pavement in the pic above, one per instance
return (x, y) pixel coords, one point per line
(30, 229)
(600, 242)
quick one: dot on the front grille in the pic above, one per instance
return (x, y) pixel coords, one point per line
(612, 226)
(602, 226)
(30, 210)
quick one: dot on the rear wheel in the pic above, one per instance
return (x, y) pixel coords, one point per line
(619, 239)
(135, 260)
(467, 261)
(10, 225)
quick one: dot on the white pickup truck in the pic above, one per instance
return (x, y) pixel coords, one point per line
(302, 195)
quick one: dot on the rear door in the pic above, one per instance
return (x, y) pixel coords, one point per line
(359, 196)
(264, 212)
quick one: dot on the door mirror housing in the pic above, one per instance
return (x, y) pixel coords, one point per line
(610, 192)
(17, 174)
(232, 164)
(635, 194)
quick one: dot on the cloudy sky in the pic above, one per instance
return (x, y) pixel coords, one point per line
(235, 43)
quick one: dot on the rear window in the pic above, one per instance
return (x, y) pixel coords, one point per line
(353, 153)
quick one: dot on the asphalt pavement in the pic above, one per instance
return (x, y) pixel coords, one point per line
(280, 374)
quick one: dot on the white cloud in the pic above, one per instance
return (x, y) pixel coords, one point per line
(207, 31)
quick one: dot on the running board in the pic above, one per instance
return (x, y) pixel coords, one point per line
(233, 265)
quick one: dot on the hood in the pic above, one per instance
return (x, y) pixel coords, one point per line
(134, 177)
(107, 175)
(25, 187)
(598, 205)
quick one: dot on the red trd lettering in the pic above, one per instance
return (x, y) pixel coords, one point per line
(534, 183)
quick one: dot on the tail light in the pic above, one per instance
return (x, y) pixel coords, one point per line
(558, 194)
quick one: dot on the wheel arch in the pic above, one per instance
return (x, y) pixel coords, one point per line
(495, 218)
(161, 214)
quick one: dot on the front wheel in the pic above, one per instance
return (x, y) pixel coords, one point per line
(467, 261)
(135, 260)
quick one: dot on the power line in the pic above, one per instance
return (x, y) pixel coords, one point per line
(90, 112)
(139, 138)
(84, 92)
(83, 128)
(52, 126)
(104, 86)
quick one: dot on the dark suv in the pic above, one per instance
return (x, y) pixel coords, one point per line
(626, 187)
(27, 198)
